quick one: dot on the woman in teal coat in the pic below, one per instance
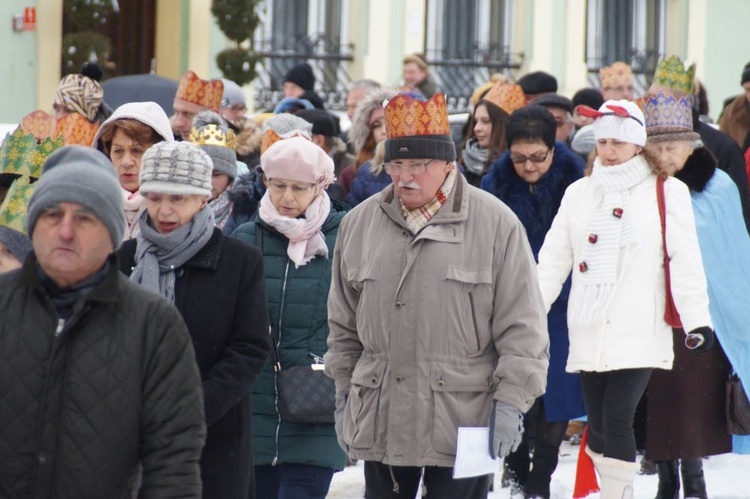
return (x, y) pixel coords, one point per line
(296, 231)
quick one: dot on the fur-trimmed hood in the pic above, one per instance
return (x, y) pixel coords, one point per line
(534, 204)
(248, 138)
(698, 170)
(360, 128)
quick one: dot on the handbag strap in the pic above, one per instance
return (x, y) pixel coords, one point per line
(663, 217)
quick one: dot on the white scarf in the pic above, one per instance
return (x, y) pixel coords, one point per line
(612, 233)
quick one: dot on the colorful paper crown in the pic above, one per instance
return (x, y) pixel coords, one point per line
(665, 110)
(406, 116)
(671, 73)
(76, 130)
(21, 154)
(40, 124)
(615, 75)
(506, 96)
(214, 136)
(14, 207)
(202, 93)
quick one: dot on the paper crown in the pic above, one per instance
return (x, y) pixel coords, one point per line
(39, 123)
(21, 154)
(406, 116)
(14, 207)
(76, 130)
(615, 75)
(204, 93)
(212, 135)
(506, 96)
(665, 110)
(671, 73)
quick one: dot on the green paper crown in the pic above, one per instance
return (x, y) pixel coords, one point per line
(13, 210)
(22, 155)
(671, 73)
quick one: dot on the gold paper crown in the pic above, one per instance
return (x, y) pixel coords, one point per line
(671, 73)
(406, 116)
(506, 96)
(39, 123)
(21, 154)
(214, 136)
(14, 207)
(615, 75)
(76, 130)
(203, 93)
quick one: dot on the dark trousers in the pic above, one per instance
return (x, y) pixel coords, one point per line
(611, 399)
(292, 481)
(398, 482)
(548, 437)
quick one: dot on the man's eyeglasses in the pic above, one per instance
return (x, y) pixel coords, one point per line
(397, 168)
(280, 187)
(537, 158)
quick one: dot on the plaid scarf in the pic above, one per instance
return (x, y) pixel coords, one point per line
(418, 217)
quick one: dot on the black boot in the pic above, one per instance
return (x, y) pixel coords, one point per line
(693, 483)
(669, 479)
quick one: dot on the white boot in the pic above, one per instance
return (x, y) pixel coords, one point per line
(616, 477)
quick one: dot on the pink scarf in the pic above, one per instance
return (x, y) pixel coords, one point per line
(305, 237)
(134, 206)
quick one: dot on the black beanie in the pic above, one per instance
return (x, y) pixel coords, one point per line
(538, 82)
(322, 121)
(745, 74)
(591, 97)
(302, 75)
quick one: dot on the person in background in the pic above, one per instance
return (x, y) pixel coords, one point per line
(487, 140)
(299, 82)
(99, 379)
(14, 246)
(417, 77)
(356, 91)
(295, 231)
(324, 136)
(411, 365)
(124, 138)
(735, 120)
(591, 97)
(562, 109)
(536, 84)
(531, 178)
(607, 232)
(233, 102)
(617, 82)
(193, 96)
(217, 284)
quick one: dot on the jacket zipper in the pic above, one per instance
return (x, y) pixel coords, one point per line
(275, 374)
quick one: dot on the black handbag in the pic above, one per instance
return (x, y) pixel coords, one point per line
(305, 394)
(737, 407)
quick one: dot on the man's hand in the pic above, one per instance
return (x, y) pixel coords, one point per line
(506, 429)
(338, 418)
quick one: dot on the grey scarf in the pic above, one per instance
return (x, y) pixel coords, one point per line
(158, 255)
(474, 156)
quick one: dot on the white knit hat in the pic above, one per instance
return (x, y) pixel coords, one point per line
(176, 168)
(621, 120)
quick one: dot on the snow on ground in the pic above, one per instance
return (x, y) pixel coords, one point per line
(727, 477)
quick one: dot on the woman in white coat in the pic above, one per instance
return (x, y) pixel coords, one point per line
(608, 232)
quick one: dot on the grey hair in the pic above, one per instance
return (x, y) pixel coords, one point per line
(365, 83)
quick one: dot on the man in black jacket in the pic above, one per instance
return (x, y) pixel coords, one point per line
(97, 375)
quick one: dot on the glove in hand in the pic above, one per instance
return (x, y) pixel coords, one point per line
(506, 429)
(338, 418)
(694, 337)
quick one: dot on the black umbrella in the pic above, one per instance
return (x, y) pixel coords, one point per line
(140, 88)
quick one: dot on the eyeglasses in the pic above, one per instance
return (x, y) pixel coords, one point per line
(397, 168)
(297, 189)
(534, 158)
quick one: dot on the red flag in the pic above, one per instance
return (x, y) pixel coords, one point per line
(586, 482)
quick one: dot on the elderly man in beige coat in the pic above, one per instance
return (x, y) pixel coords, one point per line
(436, 319)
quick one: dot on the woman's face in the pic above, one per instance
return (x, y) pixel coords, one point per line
(377, 125)
(413, 74)
(169, 212)
(8, 261)
(531, 160)
(126, 155)
(219, 183)
(672, 154)
(614, 152)
(291, 197)
(482, 126)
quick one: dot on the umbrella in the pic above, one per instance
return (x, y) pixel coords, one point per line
(140, 88)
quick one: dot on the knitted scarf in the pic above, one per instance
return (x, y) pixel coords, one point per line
(222, 207)
(135, 204)
(158, 255)
(306, 240)
(474, 156)
(610, 228)
(418, 217)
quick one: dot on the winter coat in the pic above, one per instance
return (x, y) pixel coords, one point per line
(366, 184)
(297, 300)
(536, 206)
(428, 328)
(341, 157)
(632, 333)
(220, 293)
(735, 121)
(85, 400)
(686, 417)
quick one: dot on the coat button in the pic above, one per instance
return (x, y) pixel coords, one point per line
(617, 212)
(441, 382)
(374, 380)
(399, 379)
(582, 267)
(399, 304)
(405, 233)
(593, 238)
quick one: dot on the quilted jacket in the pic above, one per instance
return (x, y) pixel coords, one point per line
(82, 401)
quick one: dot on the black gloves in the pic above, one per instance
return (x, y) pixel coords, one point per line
(700, 339)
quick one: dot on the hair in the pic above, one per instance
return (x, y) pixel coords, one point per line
(378, 159)
(360, 133)
(531, 124)
(138, 132)
(700, 97)
(654, 163)
(498, 118)
(365, 83)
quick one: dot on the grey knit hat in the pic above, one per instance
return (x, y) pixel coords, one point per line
(212, 134)
(84, 176)
(176, 168)
(17, 242)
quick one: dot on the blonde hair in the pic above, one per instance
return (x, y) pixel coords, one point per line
(378, 159)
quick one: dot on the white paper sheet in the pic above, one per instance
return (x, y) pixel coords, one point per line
(473, 453)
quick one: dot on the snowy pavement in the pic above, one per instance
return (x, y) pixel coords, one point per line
(727, 477)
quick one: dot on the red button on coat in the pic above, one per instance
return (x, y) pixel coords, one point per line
(593, 238)
(583, 267)
(617, 212)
